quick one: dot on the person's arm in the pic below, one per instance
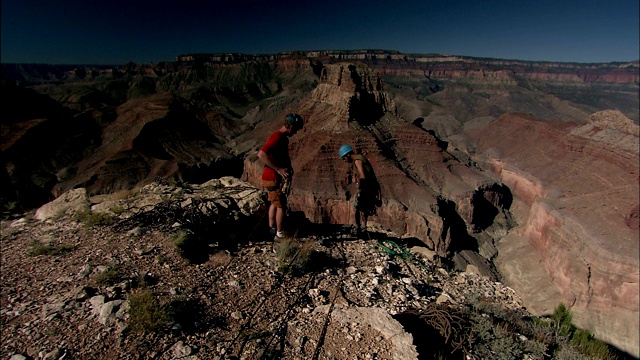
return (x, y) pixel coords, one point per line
(267, 161)
(361, 176)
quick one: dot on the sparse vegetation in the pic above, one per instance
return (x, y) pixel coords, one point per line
(293, 256)
(182, 240)
(146, 314)
(122, 194)
(486, 330)
(91, 219)
(38, 248)
(580, 339)
(117, 209)
(109, 276)
(161, 259)
(259, 335)
(9, 208)
(143, 280)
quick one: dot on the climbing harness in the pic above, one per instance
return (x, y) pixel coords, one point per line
(286, 190)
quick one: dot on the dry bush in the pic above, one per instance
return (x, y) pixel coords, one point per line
(122, 194)
(293, 256)
(109, 276)
(38, 248)
(146, 314)
(91, 219)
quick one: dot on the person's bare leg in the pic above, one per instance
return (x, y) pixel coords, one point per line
(272, 216)
(279, 216)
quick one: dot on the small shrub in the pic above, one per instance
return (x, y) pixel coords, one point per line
(108, 277)
(117, 209)
(536, 350)
(584, 341)
(293, 256)
(190, 246)
(146, 314)
(9, 208)
(122, 194)
(37, 248)
(562, 319)
(183, 240)
(567, 352)
(93, 219)
(161, 260)
(540, 330)
(259, 335)
(143, 279)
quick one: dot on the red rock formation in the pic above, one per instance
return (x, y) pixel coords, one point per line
(577, 187)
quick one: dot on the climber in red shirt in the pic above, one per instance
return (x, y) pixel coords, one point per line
(278, 171)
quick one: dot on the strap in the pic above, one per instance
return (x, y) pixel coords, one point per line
(273, 188)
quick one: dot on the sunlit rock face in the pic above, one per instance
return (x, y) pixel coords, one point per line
(576, 202)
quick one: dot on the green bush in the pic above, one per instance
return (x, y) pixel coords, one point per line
(8, 208)
(581, 340)
(117, 209)
(146, 314)
(584, 341)
(562, 321)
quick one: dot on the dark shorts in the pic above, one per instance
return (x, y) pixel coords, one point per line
(365, 201)
(274, 193)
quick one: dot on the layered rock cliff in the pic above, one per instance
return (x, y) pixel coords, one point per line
(576, 193)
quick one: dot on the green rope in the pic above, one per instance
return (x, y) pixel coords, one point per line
(393, 249)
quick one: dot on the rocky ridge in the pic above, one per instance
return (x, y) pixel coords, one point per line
(240, 304)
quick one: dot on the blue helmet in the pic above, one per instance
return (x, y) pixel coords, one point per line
(344, 150)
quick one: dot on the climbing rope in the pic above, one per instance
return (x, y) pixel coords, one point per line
(391, 248)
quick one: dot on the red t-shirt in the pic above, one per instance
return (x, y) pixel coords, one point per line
(277, 148)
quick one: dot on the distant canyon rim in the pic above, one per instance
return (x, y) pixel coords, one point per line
(522, 171)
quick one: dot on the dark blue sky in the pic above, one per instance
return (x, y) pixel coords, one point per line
(116, 32)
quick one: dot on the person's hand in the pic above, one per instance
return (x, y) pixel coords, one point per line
(283, 172)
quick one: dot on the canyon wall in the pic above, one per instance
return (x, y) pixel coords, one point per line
(576, 189)
(432, 126)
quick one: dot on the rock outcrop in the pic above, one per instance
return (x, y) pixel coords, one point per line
(234, 303)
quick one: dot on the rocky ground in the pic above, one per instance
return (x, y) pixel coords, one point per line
(75, 291)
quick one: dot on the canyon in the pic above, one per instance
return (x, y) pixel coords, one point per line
(519, 171)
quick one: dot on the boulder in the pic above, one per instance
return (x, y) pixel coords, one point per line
(70, 203)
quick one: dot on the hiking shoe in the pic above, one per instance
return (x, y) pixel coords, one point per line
(279, 235)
